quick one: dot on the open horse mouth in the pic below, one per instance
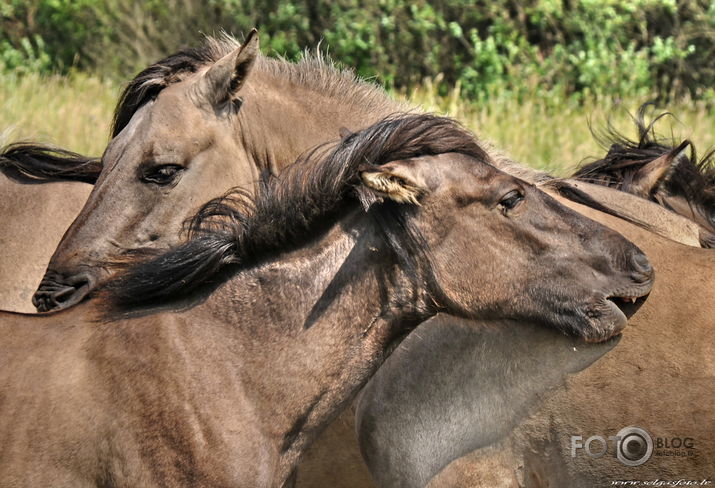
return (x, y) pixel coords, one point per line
(609, 315)
(56, 292)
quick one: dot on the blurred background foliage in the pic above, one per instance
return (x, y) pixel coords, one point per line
(530, 75)
(553, 49)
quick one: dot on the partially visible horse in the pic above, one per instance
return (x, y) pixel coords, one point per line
(190, 127)
(295, 299)
(43, 189)
(658, 169)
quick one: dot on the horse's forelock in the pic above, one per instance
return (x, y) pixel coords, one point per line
(172, 69)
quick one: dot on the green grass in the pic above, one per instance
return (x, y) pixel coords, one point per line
(75, 112)
(72, 112)
(558, 139)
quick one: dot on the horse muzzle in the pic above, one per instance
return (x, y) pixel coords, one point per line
(57, 292)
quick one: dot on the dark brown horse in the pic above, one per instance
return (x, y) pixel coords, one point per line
(296, 297)
(189, 128)
(43, 189)
(514, 393)
(659, 170)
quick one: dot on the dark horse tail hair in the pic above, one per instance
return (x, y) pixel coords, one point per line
(28, 162)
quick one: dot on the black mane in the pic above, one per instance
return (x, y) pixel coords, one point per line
(691, 179)
(28, 162)
(290, 208)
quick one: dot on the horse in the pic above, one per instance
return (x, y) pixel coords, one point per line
(218, 362)
(658, 169)
(496, 403)
(43, 189)
(166, 155)
(187, 129)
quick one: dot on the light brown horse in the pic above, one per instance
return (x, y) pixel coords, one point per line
(293, 306)
(166, 156)
(189, 128)
(43, 189)
(511, 399)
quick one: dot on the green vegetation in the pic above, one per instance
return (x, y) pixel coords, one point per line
(75, 112)
(513, 49)
(71, 111)
(528, 75)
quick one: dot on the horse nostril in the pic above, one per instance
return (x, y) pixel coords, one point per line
(642, 267)
(56, 292)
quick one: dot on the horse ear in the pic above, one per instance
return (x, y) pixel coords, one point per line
(226, 77)
(398, 180)
(649, 178)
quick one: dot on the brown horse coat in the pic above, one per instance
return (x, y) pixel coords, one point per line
(34, 218)
(227, 387)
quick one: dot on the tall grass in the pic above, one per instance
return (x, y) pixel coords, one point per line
(558, 139)
(75, 112)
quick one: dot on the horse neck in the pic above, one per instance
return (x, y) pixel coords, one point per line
(659, 219)
(285, 346)
(297, 117)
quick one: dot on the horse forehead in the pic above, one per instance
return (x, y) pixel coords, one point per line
(129, 140)
(150, 133)
(473, 173)
(174, 110)
(174, 124)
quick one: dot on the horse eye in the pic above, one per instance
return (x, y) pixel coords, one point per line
(511, 200)
(162, 175)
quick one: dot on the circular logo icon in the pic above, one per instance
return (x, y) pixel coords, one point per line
(635, 446)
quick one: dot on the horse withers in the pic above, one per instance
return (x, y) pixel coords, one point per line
(257, 331)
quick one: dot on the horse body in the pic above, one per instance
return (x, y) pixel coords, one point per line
(225, 398)
(34, 218)
(226, 387)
